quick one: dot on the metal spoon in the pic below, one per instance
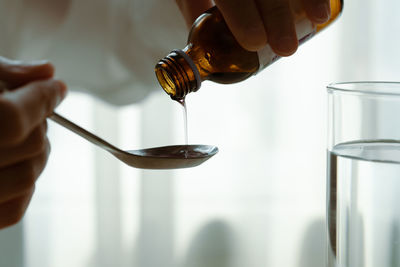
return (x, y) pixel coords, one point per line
(167, 157)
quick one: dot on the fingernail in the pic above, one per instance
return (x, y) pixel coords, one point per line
(322, 12)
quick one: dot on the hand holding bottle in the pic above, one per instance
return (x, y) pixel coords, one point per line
(28, 94)
(254, 23)
(243, 38)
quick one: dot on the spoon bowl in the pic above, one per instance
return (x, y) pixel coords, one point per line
(166, 157)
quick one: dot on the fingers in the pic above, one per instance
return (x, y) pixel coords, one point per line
(35, 144)
(24, 147)
(318, 11)
(256, 22)
(19, 179)
(12, 211)
(24, 109)
(245, 22)
(279, 25)
(17, 73)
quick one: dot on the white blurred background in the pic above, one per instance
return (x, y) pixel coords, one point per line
(259, 202)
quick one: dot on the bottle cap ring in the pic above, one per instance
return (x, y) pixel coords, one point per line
(192, 66)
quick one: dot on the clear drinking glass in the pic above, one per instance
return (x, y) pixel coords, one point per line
(363, 187)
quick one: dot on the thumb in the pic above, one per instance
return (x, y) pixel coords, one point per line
(191, 9)
(15, 73)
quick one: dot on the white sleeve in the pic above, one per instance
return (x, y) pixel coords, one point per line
(106, 47)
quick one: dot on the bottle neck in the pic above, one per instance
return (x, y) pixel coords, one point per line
(178, 75)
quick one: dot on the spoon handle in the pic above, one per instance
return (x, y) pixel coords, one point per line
(83, 133)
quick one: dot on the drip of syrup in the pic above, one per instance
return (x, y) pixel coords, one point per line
(185, 120)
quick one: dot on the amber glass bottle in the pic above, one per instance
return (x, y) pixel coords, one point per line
(212, 53)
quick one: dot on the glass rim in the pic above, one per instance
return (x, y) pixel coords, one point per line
(382, 88)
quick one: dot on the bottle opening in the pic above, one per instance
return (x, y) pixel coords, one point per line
(166, 81)
(177, 75)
